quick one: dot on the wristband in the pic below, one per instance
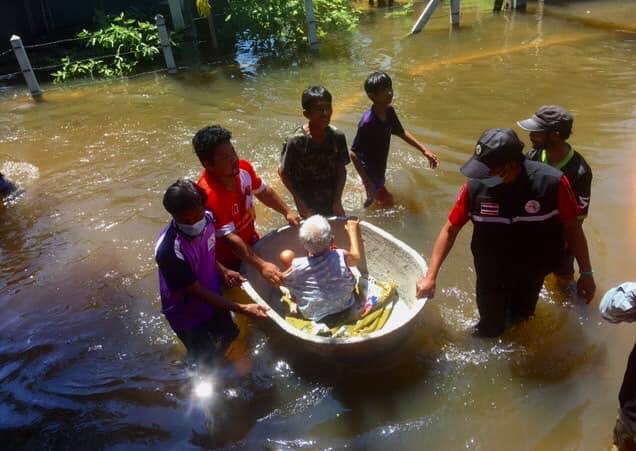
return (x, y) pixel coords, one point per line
(589, 273)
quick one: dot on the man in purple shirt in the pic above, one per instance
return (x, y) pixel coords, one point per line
(370, 148)
(190, 276)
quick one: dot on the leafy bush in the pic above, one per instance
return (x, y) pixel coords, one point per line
(282, 23)
(124, 42)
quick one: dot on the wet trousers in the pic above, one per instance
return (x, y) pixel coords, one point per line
(506, 297)
(209, 340)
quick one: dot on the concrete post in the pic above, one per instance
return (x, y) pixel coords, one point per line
(165, 44)
(176, 14)
(25, 67)
(311, 25)
(213, 40)
(425, 16)
(519, 5)
(455, 13)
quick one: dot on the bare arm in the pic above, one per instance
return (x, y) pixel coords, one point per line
(353, 229)
(270, 198)
(577, 242)
(269, 271)
(430, 156)
(303, 209)
(230, 278)
(200, 292)
(425, 286)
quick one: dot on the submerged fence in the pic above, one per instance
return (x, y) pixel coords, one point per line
(29, 73)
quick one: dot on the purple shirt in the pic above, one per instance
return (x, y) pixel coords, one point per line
(372, 142)
(183, 260)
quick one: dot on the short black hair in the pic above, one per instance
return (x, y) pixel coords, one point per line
(183, 196)
(206, 140)
(313, 94)
(377, 81)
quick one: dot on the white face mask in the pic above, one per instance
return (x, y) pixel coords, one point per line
(193, 229)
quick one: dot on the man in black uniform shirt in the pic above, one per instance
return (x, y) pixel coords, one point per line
(550, 128)
(522, 212)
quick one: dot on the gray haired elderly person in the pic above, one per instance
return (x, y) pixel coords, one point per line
(619, 305)
(322, 284)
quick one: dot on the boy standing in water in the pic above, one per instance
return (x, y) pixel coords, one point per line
(313, 160)
(370, 148)
(550, 127)
(190, 276)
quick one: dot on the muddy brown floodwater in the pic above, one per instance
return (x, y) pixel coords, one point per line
(87, 360)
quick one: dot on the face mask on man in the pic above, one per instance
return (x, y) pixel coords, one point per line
(193, 229)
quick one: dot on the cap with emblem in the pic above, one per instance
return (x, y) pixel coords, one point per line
(549, 118)
(496, 147)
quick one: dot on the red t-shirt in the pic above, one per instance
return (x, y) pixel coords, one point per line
(233, 210)
(567, 205)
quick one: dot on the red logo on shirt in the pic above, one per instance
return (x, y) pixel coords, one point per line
(532, 206)
(489, 209)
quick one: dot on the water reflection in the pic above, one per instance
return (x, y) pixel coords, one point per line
(86, 357)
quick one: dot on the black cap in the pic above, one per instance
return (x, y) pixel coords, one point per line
(549, 118)
(496, 147)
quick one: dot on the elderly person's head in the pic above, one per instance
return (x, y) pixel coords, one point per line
(315, 235)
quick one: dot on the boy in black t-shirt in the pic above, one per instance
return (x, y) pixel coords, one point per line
(550, 127)
(370, 148)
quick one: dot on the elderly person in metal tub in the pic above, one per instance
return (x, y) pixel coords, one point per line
(322, 283)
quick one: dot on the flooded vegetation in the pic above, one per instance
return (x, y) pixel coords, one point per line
(88, 360)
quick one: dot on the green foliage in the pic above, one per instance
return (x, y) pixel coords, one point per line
(124, 42)
(203, 7)
(282, 23)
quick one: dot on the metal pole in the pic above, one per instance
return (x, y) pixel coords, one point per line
(311, 25)
(25, 67)
(176, 14)
(455, 13)
(165, 44)
(425, 16)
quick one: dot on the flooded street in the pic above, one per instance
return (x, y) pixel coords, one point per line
(88, 361)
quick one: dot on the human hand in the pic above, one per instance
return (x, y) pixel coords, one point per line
(337, 208)
(433, 161)
(232, 278)
(271, 273)
(254, 311)
(425, 288)
(293, 219)
(586, 287)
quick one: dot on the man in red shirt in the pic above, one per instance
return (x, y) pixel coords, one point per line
(231, 185)
(523, 212)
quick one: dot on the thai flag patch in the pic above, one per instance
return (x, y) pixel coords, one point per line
(489, 209)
